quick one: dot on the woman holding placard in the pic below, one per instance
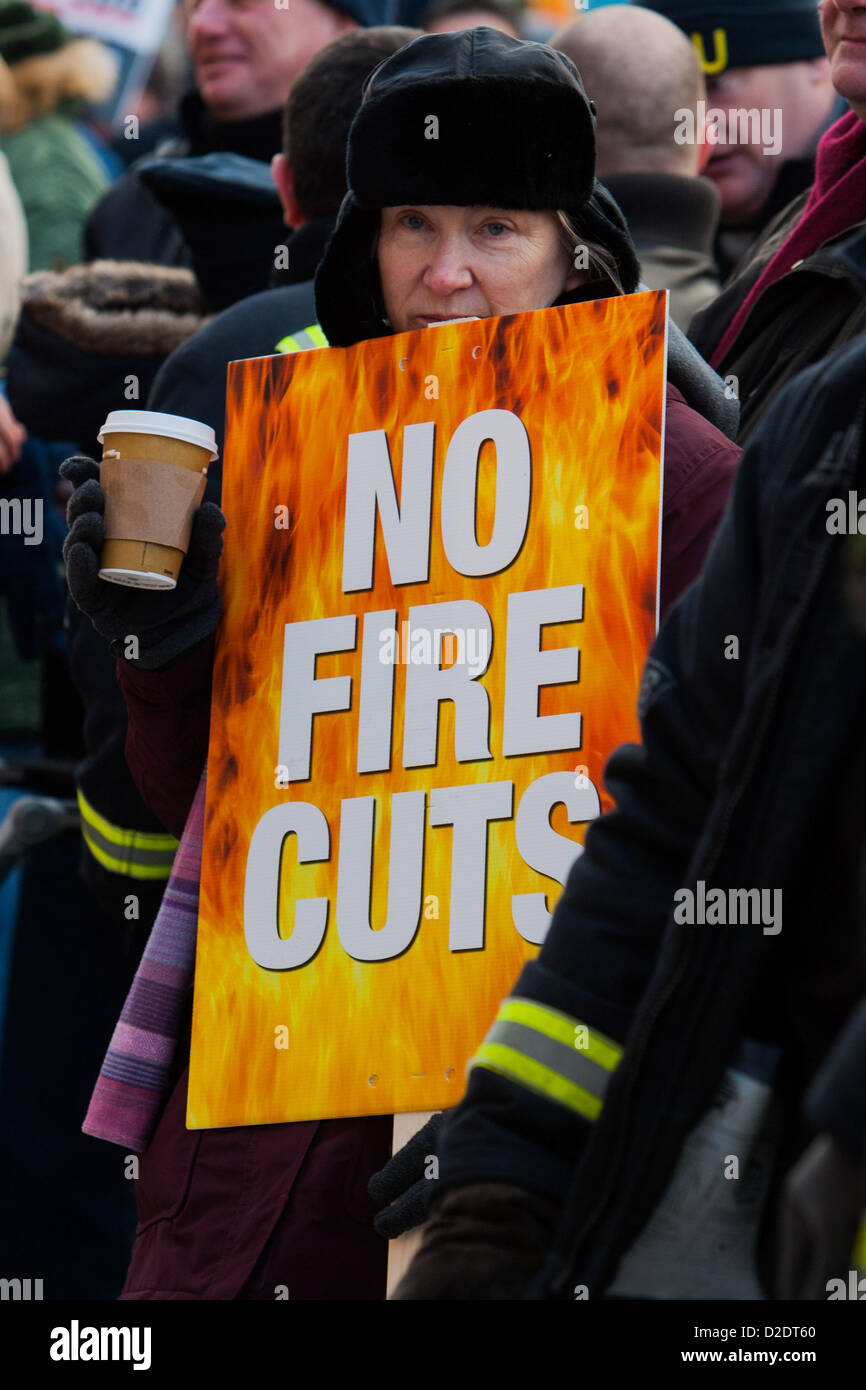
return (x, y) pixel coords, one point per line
(472, 194)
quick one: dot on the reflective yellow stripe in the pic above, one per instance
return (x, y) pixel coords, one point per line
(143, 854)
(562, 1029)
(858, 1255)
(146, 839)
(550, 1053)
(311, 337)
(514, 1066)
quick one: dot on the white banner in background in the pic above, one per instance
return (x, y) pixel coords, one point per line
(138, 25)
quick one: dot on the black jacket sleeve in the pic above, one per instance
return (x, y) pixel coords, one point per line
(604, 937)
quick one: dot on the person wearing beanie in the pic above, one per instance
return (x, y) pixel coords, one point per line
(245, 59)
(800, 291)
(759, 55)
(46, 77)
(483, 221)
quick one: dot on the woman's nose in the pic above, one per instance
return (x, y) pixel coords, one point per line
(448, 269)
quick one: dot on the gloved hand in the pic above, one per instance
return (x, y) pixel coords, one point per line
(166, 622)
(822, 1200)
(483, 1241)
(404, 1183)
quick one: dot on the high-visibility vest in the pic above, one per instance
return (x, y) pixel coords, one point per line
(311, 337)
(143, 854)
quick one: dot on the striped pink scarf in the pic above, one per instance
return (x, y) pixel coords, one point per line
(130, 1090)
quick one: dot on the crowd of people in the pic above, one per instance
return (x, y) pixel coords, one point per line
(283, 197)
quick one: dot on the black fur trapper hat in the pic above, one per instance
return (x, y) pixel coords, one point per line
(474, 118)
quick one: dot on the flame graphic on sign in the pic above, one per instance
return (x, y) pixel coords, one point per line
(587, 381)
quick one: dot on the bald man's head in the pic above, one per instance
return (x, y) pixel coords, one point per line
(639, 69)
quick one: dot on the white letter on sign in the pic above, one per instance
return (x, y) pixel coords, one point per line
(460, 486)
(355, 876)
(262, 887)
(302, 695)
(527, 668)
(376, 701)
(406, 530)
(542, 848)
(469, 809)
(427, 685)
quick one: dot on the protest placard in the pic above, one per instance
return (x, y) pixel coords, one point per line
(440, 583)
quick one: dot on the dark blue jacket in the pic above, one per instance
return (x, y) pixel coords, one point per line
(749, 775)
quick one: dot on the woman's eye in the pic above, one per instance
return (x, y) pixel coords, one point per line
(413, 221)
(495, 229)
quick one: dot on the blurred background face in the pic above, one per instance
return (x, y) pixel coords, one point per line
(451, 262)
(843, 25)
(470, 19)
(247, 53)
(744, 175)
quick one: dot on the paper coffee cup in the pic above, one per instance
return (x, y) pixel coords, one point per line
(153, 474)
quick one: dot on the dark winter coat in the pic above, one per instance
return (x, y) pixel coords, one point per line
(130, 224)
(750, 774)
(90, 340)
(672, 220)
(193, 379)
(818, 306)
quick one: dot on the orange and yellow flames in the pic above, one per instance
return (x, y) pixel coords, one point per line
(588, 383)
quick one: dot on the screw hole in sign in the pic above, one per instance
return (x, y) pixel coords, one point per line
(449, 1073)
(373, 1080)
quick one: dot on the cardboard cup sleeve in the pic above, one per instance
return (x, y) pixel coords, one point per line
(147, 500)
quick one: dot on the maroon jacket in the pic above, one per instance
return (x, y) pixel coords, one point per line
(235, 1213)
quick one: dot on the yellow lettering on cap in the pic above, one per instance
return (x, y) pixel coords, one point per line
(720, 43)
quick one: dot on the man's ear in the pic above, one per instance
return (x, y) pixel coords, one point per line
(283, 177)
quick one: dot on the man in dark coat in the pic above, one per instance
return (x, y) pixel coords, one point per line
(585, 1128)
(246, 59)
(801, 291)
(762, 57)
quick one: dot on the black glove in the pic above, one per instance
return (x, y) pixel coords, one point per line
(166, 622)
(403, 1183)
(485, 1240)
(821, 1206)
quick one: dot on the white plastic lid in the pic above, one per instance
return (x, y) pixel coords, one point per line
(155, 422)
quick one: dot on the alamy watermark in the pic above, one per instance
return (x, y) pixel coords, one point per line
(730, 907)
(77, 1343)
(21, 1290)
(22, 516)
(735, 126)
(422, 646)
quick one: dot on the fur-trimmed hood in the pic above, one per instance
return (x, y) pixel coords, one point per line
(109, 307)
(83, 71)
(91, 339)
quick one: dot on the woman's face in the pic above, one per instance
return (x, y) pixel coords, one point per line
(440, 262)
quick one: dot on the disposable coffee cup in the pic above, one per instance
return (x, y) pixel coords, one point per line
(153, 473)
